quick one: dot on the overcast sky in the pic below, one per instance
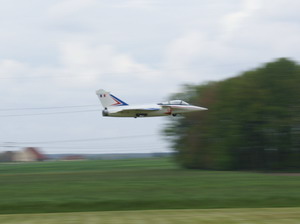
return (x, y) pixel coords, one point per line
(56, 53)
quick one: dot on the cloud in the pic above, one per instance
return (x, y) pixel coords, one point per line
(267, 30)
(11, 68)
(83, 66)
(233, 21)
(89, 63)
(137, 4)
(244, 37)
(183, 49)
(278, 10)
(69, 7)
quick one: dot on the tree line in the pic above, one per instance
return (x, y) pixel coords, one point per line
(252, 122)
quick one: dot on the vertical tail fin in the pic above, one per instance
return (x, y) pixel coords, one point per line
(109, 100)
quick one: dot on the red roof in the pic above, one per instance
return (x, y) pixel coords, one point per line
(36, 152)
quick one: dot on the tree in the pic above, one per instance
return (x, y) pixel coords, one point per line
(253, 121)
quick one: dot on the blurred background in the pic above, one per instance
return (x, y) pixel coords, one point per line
(55, 54)
(238, 162)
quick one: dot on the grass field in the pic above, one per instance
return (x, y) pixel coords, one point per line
(141, 184)
(205, 216)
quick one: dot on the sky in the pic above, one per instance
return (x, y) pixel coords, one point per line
(54, 55)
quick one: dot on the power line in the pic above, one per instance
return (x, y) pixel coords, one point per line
(95, 74)
(97, 146)
(100, 147)
(48, 108)
(118, 148)
(155, 70)
(80, 140)
(49, 113)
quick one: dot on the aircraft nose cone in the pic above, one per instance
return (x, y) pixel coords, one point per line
(199, 108)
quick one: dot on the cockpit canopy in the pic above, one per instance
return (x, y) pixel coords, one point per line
(174, 102)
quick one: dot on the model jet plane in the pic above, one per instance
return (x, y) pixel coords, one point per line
(114, 107)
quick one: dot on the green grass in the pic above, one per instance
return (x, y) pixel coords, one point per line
(204, 216)
(136, 185)
(84, 166)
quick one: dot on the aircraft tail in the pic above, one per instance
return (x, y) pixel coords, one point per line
(109, 100)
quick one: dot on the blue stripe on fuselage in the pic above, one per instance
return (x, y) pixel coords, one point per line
(151, 109)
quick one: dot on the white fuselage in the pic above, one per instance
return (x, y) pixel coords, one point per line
(150, 110)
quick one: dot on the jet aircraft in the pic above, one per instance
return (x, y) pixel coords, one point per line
(115, 107)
